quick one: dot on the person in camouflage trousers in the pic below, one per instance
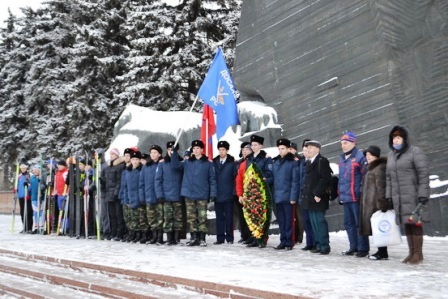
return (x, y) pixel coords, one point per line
(154, 205)
(167, 186)
(126, 207)
(136, 213)
(198, 186)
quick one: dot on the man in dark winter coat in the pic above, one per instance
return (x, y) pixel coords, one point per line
(304, 205)
(264, 163)
(317, 179)
(112, 182)
(351, 170)
(168, 182)
(407, 185)
(225, 168)
(198, 186)
(103, 206)
(241, 168)
(298, 222)
(286, 191)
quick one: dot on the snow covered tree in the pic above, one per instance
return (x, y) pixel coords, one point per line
(69, 69)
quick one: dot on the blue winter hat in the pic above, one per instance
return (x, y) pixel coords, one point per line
(349, 136)
(52, 162)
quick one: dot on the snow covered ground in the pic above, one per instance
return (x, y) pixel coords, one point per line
(295, 272)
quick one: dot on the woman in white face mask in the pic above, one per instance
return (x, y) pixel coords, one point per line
(407, 185)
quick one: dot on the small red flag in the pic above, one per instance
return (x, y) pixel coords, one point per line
(208, 129)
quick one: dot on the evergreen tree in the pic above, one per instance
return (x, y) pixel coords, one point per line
(69, 69)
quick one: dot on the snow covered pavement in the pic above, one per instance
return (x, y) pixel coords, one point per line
(295, 272)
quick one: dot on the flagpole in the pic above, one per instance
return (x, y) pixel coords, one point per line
(206, 138)
(182, 129)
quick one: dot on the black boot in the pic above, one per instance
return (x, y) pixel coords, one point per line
(194, 240)
(176, 237)
(138, 236)
(160, 237)
(169, 238)
(381, 254)
(131, 236)
(154, 237)
(202, 242)
(143, 238)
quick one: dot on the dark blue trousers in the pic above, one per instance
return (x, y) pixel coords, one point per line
(351, 223)
(320, 230)
(285, 223)
(224, 221)
(308, 228)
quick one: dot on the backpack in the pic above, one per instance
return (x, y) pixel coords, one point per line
(332, 189)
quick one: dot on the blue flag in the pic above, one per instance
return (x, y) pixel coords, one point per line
(218, 91)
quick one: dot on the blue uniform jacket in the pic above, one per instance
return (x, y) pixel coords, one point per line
(225, 178)
(121, 193)
(286, 179)
(351, 171)
(131, 187)
(148, 183)
(199, 179)
(168, 181)
(264, 163)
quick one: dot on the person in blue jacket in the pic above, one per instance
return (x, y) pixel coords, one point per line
(125, 212)
(26, 212)
(264, 163)
(168, 184)
(198, 186)
(131, 196)
(352, 163)
(37, 191)
(225, 168)
(286, 191)
(154, 204)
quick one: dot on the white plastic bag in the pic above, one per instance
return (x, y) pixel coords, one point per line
(385, 230)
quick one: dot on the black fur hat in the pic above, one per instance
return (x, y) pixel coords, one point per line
(256, 138)
(157, 148)
(197, 143)
(283, 141)
(170, 144)
(135, 154)
(223, 144)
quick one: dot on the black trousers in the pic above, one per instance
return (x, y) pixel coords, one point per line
(116, 219)
(29, 213)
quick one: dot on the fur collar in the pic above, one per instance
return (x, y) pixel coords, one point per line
(117, 161)
(129, 168)
(261, 155)
(288, 156)
(377, 162)
(229, 158)
(151, 162)
(193, 158)
(168, 158)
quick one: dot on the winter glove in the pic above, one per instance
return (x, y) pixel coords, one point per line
(211, 206)
(28, 197)
(423, 200)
